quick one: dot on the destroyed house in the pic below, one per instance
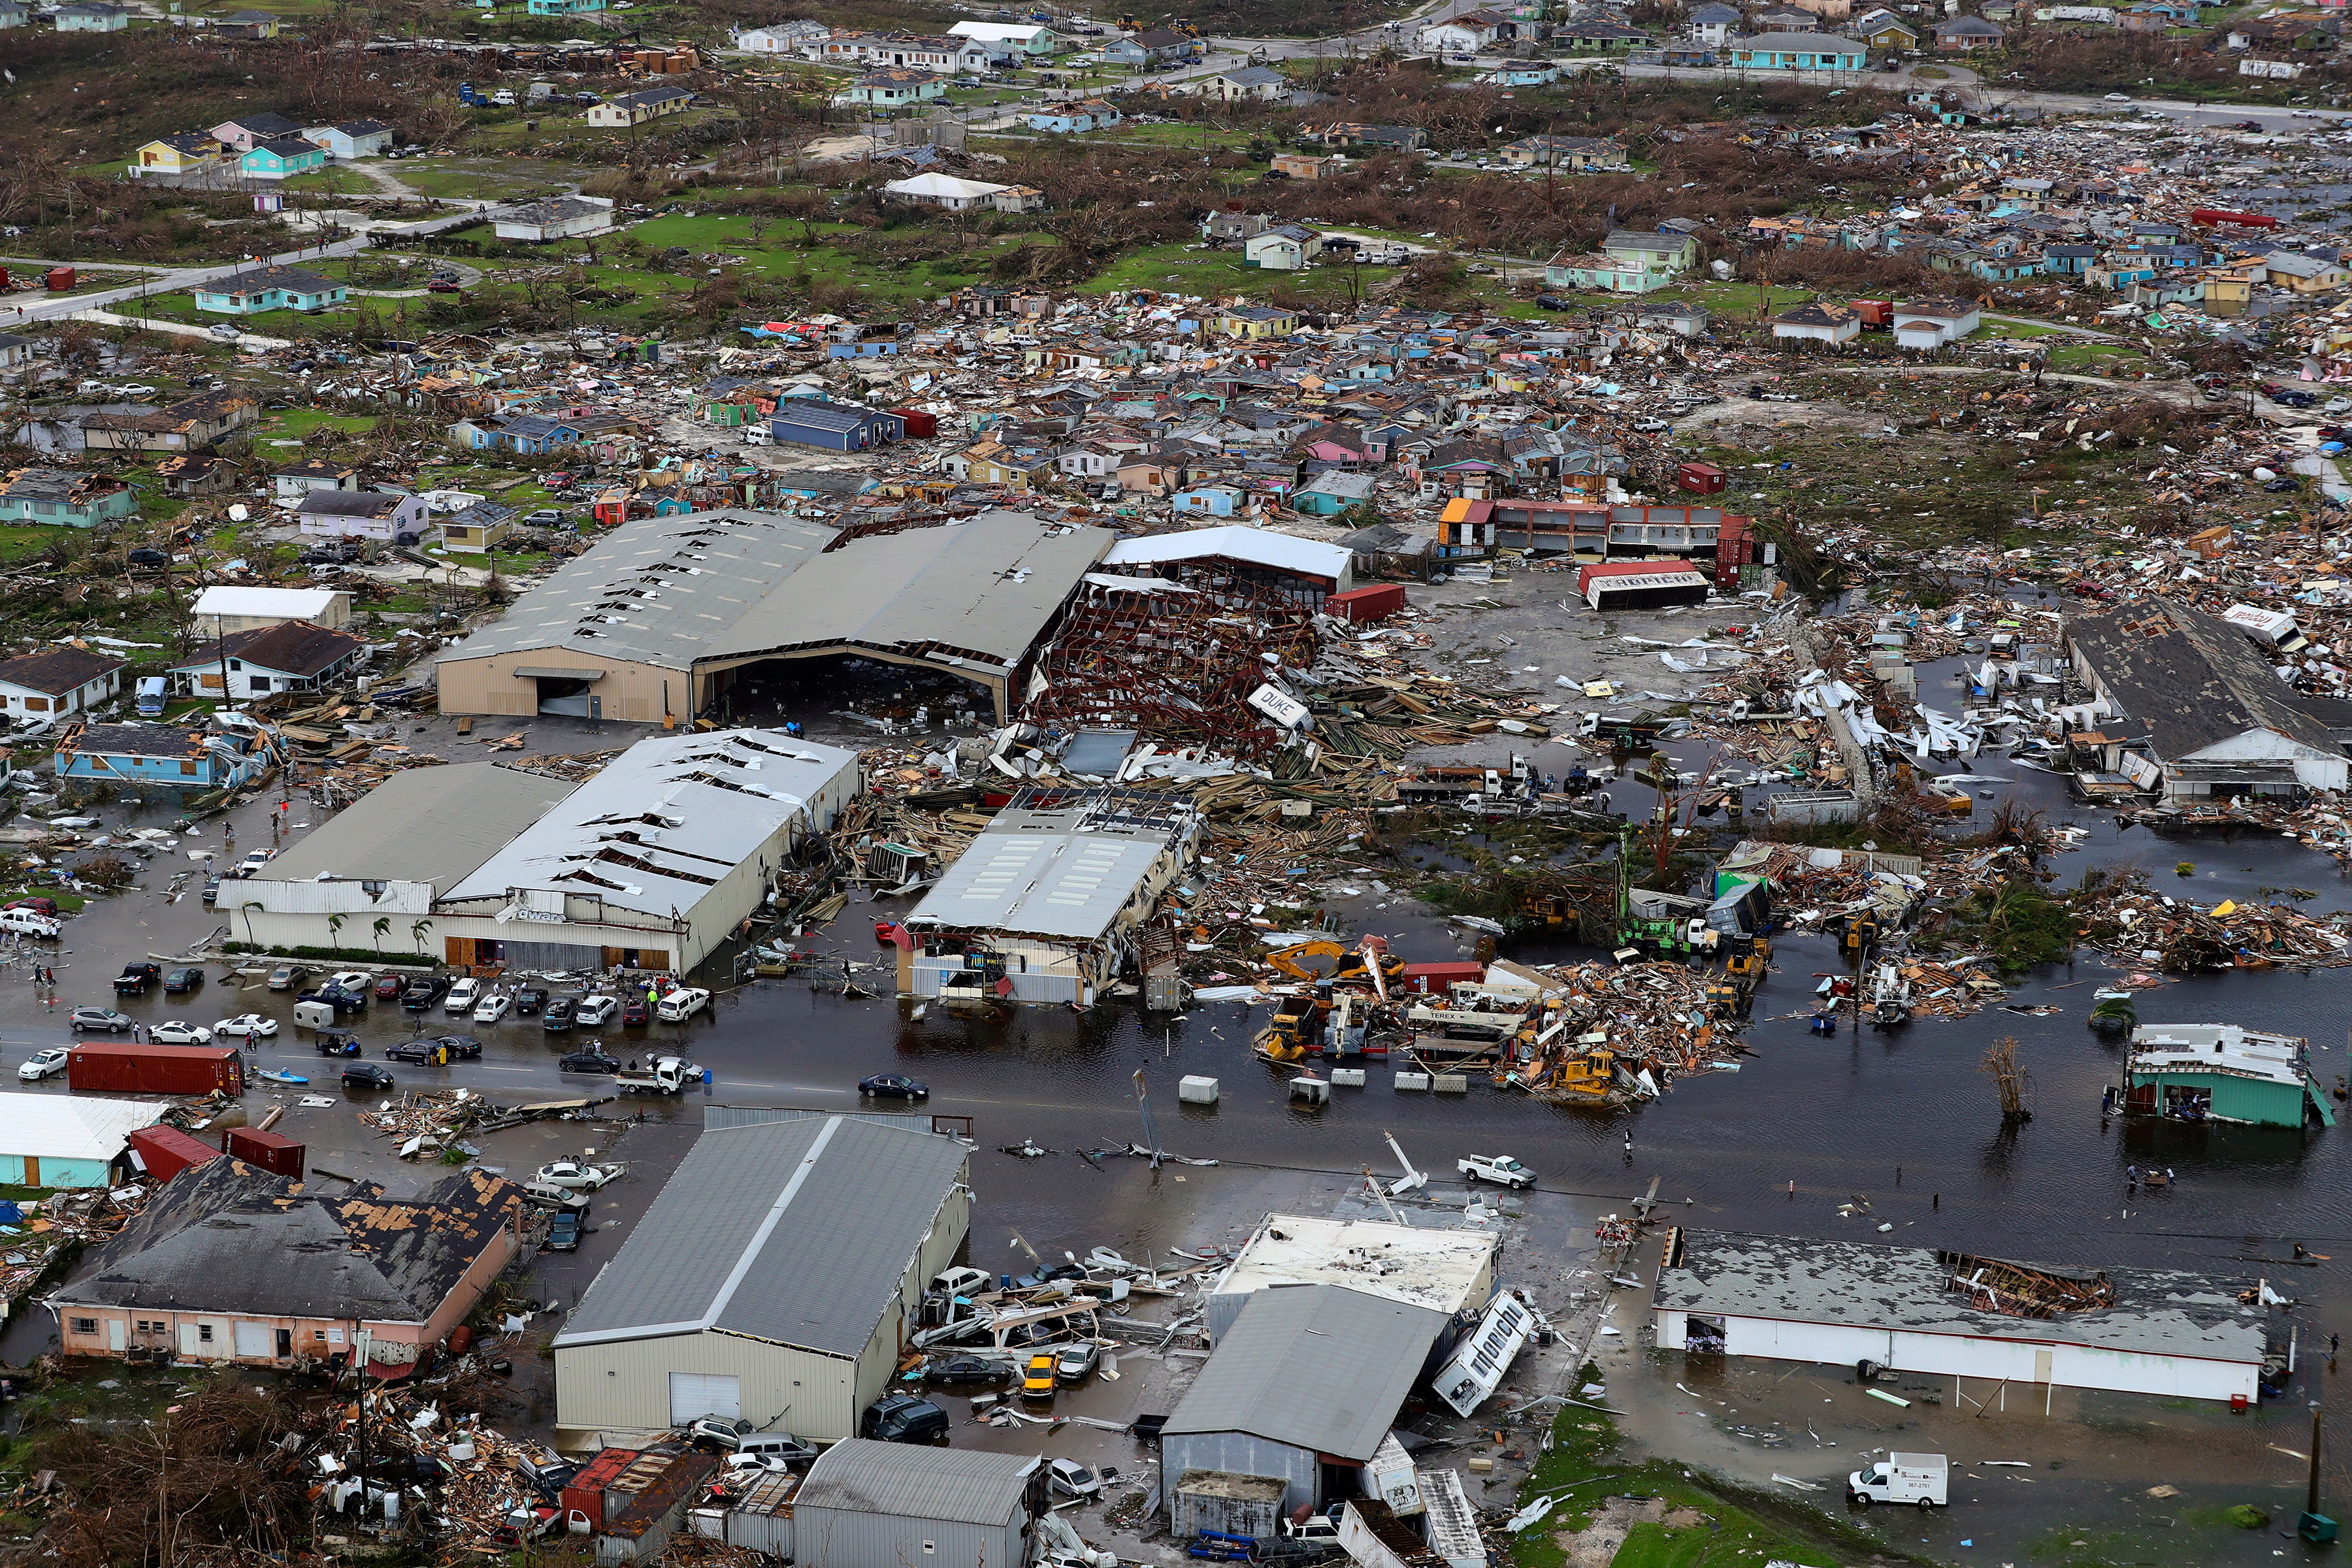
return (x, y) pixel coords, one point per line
(159, 754)
(1046, 904)
(229, 1262)
(1910, 1308)
(63, 497)
(2218, 720)
(1302, 1390)
(2223, 1072)
(781, 1269)
(1305, 570)
(187, 425)
(1590, 528)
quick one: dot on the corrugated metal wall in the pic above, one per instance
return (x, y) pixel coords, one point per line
(1239, 1454)
(1189, 1513)
(624, 1386)
(837, 1537)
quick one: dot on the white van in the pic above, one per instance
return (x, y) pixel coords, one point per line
(681, 1004)
(30, 922)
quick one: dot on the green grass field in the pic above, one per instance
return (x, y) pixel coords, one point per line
(333, 182)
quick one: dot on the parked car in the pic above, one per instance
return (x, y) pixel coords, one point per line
(212, 890)
(529, 1000)
(434, 1048)
(43, 1064)
(563, 1231)
(1500, 1169)
(180, 981)
(249, 1026)
(179, 1032)
(143, 557)
(1077, 1363)
(39, 906)
(255, 860)
(635, 1013)
(335, 996)
(107, 1018)
(337, 1043)
(595, 1010)
(442, 286)
(420, 991)
(1037, 1378)
(894, 1085)
(559, 1014)
(587, 1061)
(904, 1418)
(366, 1075)
(573, 1175)
(463, 994)
(969, 1369)
(136, 978)
(492, 1008)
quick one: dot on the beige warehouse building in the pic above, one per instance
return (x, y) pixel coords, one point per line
(776, 1278)
(654, 624)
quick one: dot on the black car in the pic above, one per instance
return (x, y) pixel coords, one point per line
(420, 994)
(904, 1418)
(966, 1369)
(148, 558)
(366, 1075)
(559, 1014)
(1553, 303)
(337, 1043)
(335, 996)
(438, 1050)
(180, 980)
(588, 1061)
(212, 890)
(136, 977)
(894, 1085)
(530, 1000)
(563, 1231)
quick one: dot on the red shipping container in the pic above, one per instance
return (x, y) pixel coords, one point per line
(1435, 979)
(166, 1151)
(273, 1152)
(583, 1494)
(2213, 217)
(1878, 313)
(1700, 479)
(919, 424)
(114, 1069)
(61, 279)
(1377, 602)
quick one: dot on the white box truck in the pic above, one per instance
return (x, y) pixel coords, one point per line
(1920, 1479)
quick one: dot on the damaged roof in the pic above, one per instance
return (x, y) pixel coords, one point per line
(295, 647)
(226, 1237)
(57, 671)
(1863, 1285)
(422, 825)
(1319, 1367)
(2191, 679)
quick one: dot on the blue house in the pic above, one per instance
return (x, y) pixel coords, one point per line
(563, 7)
(55, 1141)
(1210, 500)
(65, 498)
(834, 426)
(872, 348)
(270, 289)
(2069, 260)
(1332, 493)
(283, 158)
(155, 755)
(1797, 51)
(535, 435)
(1063, 119)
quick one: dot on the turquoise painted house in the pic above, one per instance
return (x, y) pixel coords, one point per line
(563, 7)
(65, 497)
(155, 755)
(55, 1141)
(1797, 51)
(282, 158)
(2223, 1072)
(270, 288)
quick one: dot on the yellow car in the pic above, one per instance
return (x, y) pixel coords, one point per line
(1037, 1380)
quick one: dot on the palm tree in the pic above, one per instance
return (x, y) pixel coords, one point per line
(246, 910)
(334, 929)
(2113, 1012)
(416, 935)
(377, 932)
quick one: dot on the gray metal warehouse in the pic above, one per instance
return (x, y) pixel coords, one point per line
(889, 1505)
(775, 1278)
(1302, 1389)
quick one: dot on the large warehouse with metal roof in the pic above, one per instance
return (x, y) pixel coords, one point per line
(776, 1278)
(653, 622)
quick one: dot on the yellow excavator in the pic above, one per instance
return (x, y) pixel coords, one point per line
(1592, 1076)
(1355, 964)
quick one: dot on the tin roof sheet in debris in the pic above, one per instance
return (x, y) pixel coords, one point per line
(53, 1127)
(899, 1481)
(1861, 1284)
(799, 1233)
(2225, 1048)
(1320, 1367)
(1445, 1269)
(1259, 546)
(1063, 873)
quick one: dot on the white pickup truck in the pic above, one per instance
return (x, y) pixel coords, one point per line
(1917, 1479)
(668, 1075)
(1500, 1169)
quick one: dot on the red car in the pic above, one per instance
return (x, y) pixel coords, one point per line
(635, 1014)
(40, 906)
(442, 286)
(387, 989)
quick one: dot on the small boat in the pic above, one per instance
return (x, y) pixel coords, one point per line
(279, 1075)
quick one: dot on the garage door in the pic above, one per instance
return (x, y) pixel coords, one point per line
(697, 1394)
(252, 1338)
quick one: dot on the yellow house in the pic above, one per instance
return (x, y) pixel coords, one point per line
(478, 528)
(187, 152)
(2228, 290)
(1257, 321)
